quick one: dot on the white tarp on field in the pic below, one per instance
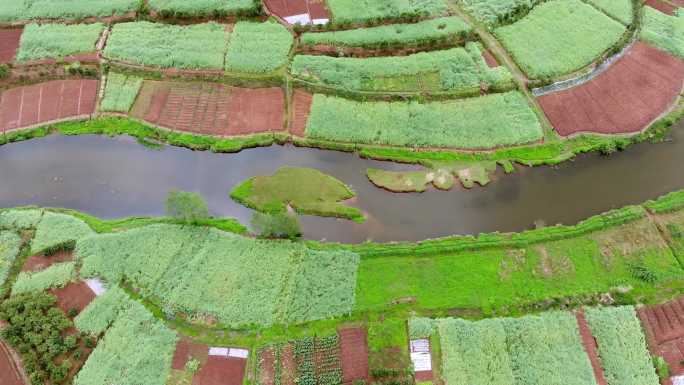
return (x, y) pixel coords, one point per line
(229, 352)
(677, 380)
(96, 286)
(302, 19)
(218, 352)
(420, 355)
(320, 21)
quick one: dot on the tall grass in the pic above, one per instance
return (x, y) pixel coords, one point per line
(258, 48)
(481, 122)
(57, 40)
(199, 46)
(120, 92)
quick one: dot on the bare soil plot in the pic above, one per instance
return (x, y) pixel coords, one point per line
(663, 6)
(626, 98)
(9, 371)
(186, 349)
(353, 354)
(75, 295)
(301, 107)
(303, 10)
(221, 371)
(40, 262)
(664, 325)
(9, 43)
(267, 366)
(40, 103)
(591, 347)
(211, 109)
(490, 59)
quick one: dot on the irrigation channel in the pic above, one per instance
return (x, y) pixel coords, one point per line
(117, 177)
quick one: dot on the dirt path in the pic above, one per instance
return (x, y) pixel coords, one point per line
(590, 347)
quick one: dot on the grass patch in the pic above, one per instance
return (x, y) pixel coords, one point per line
(120, 92)
(55, 41)
(568, 35)
(306, 190)
(258, 48)
(664, 31)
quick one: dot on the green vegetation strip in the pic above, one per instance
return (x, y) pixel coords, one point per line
(57, 275)
(567, 34)
(205, 8)
(441, 175)
(622, 346)
(498, 12)
(664, 31)
(55, 41)
(308, 191)
(120, 92)
(258, 48)
(475, 123)
(623, 10)
(366, 11)
(10, 246)
(58, 231)
(200, 46)
(455, 70)
(16, 10)
(443, 30)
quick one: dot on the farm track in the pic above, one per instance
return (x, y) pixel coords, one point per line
(591, 348)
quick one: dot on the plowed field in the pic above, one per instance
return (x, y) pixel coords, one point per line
(313, 9)
(9, 43)
(221, 371)
(301, 106)
(354, 354)
(664, 326)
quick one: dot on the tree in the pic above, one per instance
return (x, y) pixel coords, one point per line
(279, 225)
(186, 206)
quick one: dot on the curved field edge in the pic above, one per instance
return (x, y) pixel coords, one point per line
(552, 152)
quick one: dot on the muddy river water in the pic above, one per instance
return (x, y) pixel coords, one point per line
(117, 177)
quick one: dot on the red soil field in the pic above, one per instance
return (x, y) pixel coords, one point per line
(663, 6)
(211, 109)
(591, 348)
(301, 106)
(9, 372)
(353, 354)
(316, 9)
(664, 325)
(40, 262)
(73, 296)
(55, 100)
(186, 350)
(626, 98)
(9, 43)
(267, 367)
(221, 371)
(490, 59)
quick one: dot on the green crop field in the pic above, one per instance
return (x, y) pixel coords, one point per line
(622, 346)
(532, 350)
(199, 8)
(258, 48)
(14, 10)
(622, 10)
(664, 31)
(362, 11)
(56, 230)
(200, 46)
(436, 31)
(498, 12)
(104, 310)
(559, 37)
(20, 219)
(482, 122)
(120, 92)
(454, 70)
(57, 275)
(229, 273)
(57, 40)
(10, 246)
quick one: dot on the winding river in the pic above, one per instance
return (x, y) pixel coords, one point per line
(117, 177)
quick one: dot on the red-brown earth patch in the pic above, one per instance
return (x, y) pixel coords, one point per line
(663, 6)
(40, 103)
(221, 371)
(9, 371)
(76, 295)
(40, 262)
(315, 9)
(267, 367)
(591, 348)
(353, 354)
(187, 349)
(664, 325)
(626, 98)
(490, 59)
(211, 109)
(301, 107)
(9, 43)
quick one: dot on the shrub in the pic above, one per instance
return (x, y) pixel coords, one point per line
(661, 367)
(5, 71)
(57, 40)
(120, 92)
(664, 31)
(57, 275)
(567, 34)
(276, 225)
(186, 206)
(58, 231)
(258, 48)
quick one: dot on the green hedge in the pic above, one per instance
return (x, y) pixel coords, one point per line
(258, 48)
(57, 41)
(664, 31)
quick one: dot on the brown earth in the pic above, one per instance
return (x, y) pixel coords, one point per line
(187, 349)
(9, 43)
(221, 371)
(9, 371)
(75, 295)
(289, 366)
(664, 325)
(316, 9)
(490, 59)
(353, 354)
(626, 98)
(40, 262)
(301, 107)
(591, 348)
(39, 103)
(211, 109)
(267, 367)
(663, 6)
